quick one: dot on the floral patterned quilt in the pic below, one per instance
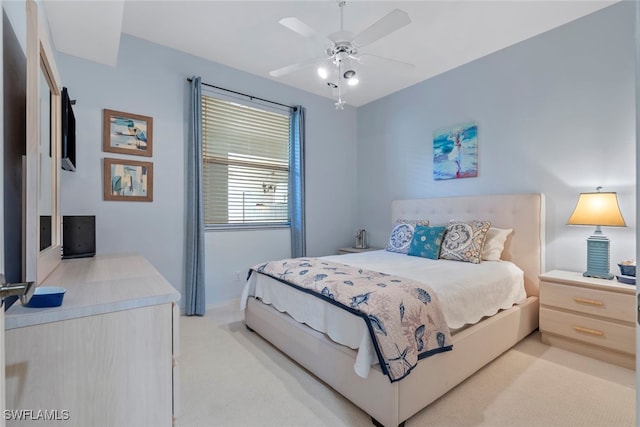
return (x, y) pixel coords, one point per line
(403, 316)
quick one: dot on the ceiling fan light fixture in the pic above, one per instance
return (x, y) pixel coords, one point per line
(343, 51)
(323, 73)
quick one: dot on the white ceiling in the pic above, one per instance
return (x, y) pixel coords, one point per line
(246, 35)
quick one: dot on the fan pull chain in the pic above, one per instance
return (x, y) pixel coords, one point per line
(340, 104)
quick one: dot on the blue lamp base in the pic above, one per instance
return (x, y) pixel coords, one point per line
(598, 256)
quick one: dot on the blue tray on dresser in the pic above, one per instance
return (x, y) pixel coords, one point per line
(629, 280)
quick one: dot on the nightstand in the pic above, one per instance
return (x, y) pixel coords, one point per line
(350, 250)
(594, 317)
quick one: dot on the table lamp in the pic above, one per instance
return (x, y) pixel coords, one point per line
(599, 209)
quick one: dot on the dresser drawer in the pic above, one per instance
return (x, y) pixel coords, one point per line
(593, 331)
(591, 301)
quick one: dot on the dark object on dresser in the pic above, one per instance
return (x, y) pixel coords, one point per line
(78, 236)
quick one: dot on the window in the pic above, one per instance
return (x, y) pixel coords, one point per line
(245, 155)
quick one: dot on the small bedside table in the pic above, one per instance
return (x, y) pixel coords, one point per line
(349, 250)
(594, 317)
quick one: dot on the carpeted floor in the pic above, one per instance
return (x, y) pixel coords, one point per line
(232, 377)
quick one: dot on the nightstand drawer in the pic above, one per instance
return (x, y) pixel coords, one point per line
(591, 301)
(594, 331)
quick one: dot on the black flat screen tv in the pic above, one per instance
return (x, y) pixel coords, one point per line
(68, 133)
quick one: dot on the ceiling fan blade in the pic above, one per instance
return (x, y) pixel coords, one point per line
(297, 26)
(381, 61)
(389, 23)
(295, 67)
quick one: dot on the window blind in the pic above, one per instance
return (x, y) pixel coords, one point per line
(245, 164)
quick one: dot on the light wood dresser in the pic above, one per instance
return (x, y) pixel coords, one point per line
(106, 356)
(594, 317)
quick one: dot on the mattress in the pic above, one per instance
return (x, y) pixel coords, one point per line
(467, 293)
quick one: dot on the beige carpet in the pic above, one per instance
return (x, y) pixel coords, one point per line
(232, 377)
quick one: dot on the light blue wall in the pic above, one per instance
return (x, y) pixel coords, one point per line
(16, 11)
(151, 80)
(555, 115)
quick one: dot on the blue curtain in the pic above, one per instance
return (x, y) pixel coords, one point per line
(296, 183)
(194, 286)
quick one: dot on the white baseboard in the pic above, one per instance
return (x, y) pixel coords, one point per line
(225, 312)
(233, 305)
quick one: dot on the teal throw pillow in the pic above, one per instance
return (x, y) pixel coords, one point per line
(426, 241)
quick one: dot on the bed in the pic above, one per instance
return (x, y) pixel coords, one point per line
(353, 372)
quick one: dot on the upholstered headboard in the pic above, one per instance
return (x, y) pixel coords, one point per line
(522, 212)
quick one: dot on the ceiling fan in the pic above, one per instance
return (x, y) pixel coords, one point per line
(344, 49)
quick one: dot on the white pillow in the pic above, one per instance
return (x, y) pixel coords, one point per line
(494, 244)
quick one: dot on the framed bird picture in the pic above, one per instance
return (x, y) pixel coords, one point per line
(127, 133)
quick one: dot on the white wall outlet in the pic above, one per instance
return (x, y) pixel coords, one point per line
(238, 277)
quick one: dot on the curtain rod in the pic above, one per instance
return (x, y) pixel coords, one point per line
(251, 97)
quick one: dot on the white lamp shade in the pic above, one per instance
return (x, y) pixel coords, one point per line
(597, 209)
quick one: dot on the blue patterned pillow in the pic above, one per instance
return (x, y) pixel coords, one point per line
(401, 235)
(426, 241)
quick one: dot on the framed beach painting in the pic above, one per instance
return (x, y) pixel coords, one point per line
(127, 133)
(455, 152)
(128, 180)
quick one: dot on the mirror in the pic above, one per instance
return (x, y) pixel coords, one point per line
(42, 159)
(45, 201)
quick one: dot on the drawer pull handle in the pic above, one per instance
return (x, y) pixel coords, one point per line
(588, 331)
(588, 301)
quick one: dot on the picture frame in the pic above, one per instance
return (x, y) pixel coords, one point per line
(455, 152)
(127, 133)
(127, 180)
